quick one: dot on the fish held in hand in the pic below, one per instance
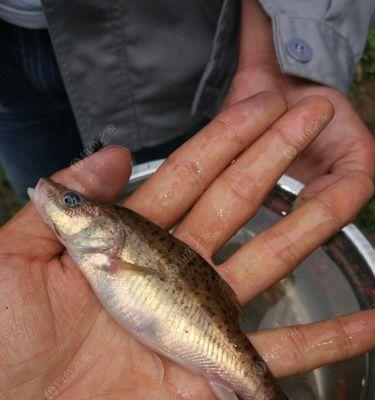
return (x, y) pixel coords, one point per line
(159, 289)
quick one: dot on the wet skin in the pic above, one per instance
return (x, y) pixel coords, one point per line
(346, 145)
(56, 339)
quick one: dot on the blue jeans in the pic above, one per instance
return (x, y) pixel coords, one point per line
(38, 133)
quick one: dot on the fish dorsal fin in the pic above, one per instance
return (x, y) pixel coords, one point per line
(222, 392)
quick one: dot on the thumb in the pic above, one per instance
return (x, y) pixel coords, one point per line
(314, 187)
(319, 184)
(102, 177)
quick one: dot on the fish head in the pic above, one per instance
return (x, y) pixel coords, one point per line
(81, 225)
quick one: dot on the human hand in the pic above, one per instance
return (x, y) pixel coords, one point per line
(56, 340)
(345, 145)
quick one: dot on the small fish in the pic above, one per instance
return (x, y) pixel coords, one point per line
(159, 289)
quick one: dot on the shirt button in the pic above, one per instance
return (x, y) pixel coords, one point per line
(299, 50)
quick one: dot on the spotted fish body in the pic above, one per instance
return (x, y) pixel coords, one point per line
(162, 291)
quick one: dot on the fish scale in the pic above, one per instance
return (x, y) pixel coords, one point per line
(162, 291)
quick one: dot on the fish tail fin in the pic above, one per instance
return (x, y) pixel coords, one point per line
(222, 392)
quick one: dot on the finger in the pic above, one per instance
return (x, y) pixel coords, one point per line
(238, 193)
(101, 177)
(360, 157)
(315, 187)
(347, 146)
(275, 252)
(174, 188)
(296, 349)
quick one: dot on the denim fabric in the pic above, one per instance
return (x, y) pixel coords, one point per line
(26, 13)
(38, 133)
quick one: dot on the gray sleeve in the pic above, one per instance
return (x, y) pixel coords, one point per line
(321, 40)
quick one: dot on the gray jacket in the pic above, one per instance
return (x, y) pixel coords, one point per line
(142, 72)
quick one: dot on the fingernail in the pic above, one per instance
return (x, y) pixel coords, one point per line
(118, 146)
(114, 146)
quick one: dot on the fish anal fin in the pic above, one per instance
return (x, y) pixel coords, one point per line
(222, 392)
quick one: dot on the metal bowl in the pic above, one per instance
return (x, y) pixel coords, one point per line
(338, 278)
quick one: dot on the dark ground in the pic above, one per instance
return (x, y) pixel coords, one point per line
(363, 98)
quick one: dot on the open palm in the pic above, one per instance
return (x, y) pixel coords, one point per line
(345, 145)
(56, 340)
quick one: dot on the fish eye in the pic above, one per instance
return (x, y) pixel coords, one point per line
(72, 199)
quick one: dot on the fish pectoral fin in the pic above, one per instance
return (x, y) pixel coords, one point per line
(222, 392)
(116, 265)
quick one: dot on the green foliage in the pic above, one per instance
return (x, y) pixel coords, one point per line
(366, 219)
(2, 175)
(9, 203)
(369, 54)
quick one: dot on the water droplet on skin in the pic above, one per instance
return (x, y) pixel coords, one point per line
(326, 344)
(198, 167)
(273, 353)
(258, 184)
(184, 394)
(220, 212)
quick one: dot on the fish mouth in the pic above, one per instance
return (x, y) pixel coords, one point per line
(42, 184)
(45, 187)
(31, 193)
(39, 196)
